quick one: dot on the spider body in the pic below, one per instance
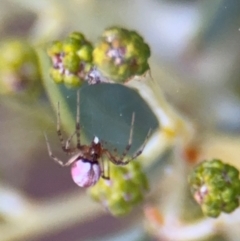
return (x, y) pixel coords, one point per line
(86, 171)
(87, 165)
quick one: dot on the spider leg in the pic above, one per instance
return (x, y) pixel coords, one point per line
(121, 160)
(127, 148)
(140, 150)
(103, 174)
(78, 121)
(59, 132)
(65, 146)
(58, 161)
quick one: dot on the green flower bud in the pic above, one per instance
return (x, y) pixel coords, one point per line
(216, 187)
(72, 58)
(231, 206)
(71, 62)
(236, 185)
(228, 195)
(232, 172)
(19, 69)
(121, 54)
(72, 81)
(125, 189)
(56, 48)
(79, 37)
(117, 205)
(213, 212)
(56, 75)
(85, 53)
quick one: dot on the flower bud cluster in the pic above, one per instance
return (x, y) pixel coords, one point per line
(216, 187)
(118, 56)
(71, 60)
(125, 189)
(19, 69)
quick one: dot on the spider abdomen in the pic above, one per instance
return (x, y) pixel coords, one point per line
(85, 173)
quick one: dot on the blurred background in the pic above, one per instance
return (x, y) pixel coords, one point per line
(195, 58)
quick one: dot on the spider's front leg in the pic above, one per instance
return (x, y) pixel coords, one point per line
(57, 160)
(65, 145)
(78, 121)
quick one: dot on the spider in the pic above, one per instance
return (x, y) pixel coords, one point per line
(86, 161)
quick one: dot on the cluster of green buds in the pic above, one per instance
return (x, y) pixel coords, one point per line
(19, 69)
(71, 60)
(118, 56)
(125, 189)
(121, 54)
(216, 187)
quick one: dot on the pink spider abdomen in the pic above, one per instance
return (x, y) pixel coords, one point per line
(85, 173)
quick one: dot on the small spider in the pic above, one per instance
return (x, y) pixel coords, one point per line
(87, 160)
